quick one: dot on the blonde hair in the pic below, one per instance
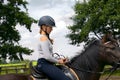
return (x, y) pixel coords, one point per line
(41, 29)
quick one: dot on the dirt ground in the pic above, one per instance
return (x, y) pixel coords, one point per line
(111, 78)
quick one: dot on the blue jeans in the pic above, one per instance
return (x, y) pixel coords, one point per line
(53, 72)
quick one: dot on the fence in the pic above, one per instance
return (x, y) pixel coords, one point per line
(21, 68)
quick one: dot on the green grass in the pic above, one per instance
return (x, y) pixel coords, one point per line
(116, 73)
(34, 63)
(108, 71)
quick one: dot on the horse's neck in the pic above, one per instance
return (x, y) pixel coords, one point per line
(84, 69)
(86, 64)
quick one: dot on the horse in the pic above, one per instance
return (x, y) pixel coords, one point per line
(89, 65)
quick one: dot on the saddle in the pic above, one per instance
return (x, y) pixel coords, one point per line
(67, 71)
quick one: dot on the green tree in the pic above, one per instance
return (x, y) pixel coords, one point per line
(94, 16)
(12, 13)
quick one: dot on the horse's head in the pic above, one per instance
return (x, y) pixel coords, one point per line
(111, 52)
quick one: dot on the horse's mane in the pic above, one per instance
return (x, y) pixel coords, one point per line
(90, 44)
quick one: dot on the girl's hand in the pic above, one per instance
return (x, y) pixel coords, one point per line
(60, 61)
(63, 61)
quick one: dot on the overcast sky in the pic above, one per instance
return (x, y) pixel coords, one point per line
(61, 11)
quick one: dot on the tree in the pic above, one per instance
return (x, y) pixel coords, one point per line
(12, 13)
(94, 16)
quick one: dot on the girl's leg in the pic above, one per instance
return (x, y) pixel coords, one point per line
(51, 71)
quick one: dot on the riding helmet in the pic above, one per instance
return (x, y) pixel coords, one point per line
(46, 20)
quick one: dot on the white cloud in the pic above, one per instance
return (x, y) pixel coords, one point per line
(55, 8)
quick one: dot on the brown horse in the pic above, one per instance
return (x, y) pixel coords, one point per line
(16, 77)
(88, 65)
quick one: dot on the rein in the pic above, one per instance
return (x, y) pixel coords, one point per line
(88, 71)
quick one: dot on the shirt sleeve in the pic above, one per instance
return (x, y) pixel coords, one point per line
(45, 45)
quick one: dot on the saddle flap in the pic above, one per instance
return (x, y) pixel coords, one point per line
(37, 74)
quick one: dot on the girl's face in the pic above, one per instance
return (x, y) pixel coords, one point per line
(49, 29)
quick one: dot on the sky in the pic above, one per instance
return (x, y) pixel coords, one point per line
(61, 11)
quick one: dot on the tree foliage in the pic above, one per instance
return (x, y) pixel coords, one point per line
(12, 13)
(94, 16)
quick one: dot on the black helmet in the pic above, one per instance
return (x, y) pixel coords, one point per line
(46, 20)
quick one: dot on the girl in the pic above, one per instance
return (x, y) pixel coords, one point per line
(46, 60)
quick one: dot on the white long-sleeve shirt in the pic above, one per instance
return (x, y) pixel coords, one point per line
(46, 50)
